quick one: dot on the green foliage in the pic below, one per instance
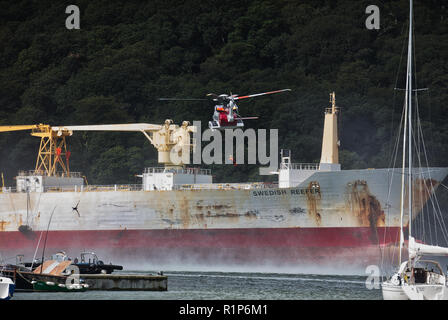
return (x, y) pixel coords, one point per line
(111, 167)
(128, 54)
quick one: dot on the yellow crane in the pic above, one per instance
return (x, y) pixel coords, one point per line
(53, 147)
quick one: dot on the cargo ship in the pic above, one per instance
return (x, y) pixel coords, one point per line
(317, 215)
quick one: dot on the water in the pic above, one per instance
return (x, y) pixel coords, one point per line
(201, 285)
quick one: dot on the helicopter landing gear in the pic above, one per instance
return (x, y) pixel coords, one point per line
(216, 125)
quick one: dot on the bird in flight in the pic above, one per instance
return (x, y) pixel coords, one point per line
(76, 209)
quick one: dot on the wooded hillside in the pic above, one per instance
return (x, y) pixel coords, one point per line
(128, 54)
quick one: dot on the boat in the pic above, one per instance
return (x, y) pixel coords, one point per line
(419, 279)
(13, 272)
(7, 287)
(89, 263)
(416, 278)
(56, 276)
(317, 216)
(7, 282)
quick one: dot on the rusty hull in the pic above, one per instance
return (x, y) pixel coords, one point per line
(329, 209)
(352, 198)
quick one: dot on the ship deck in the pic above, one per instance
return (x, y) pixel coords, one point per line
(139, 187)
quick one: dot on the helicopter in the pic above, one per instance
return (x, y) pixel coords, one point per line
(226, 115)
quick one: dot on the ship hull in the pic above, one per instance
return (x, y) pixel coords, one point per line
(339, 220)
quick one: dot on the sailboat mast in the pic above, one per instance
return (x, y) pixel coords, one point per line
(403, 171)
(409, 98)
(407, 134)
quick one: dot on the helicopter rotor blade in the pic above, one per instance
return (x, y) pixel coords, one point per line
(261, 94)
(181, 99)
(221, 97)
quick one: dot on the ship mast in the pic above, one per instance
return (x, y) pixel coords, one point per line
(330, 141)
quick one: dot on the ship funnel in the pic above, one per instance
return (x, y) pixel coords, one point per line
(330, 141)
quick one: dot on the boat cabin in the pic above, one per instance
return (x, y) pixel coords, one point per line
(423, 272)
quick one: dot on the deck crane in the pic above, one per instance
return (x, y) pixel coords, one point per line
(52, 148)
(167, 138)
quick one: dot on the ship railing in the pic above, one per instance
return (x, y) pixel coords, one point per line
(25, 173)
(199, 171)
(330, 110)
(299, 166)
(227, 186)
(139, 187)
(78, 188)
(92, 188)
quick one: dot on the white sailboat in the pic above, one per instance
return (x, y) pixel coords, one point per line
(7, 287)
(416, 278)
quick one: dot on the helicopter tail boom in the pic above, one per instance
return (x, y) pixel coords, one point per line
(248, 118)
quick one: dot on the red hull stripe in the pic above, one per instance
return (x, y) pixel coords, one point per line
(204, 238)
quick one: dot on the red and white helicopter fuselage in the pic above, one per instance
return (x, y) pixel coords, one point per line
(226, 114)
